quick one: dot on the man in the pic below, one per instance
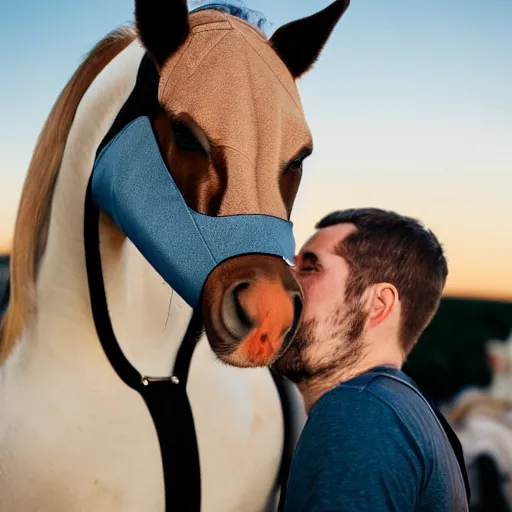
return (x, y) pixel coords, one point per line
(372, 281)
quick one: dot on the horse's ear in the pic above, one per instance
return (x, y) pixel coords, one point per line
(300, 42)
(162, 26)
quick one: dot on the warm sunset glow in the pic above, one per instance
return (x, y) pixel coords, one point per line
(404, 117)
(5, 247)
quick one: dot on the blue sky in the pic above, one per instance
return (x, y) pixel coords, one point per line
(410, 106)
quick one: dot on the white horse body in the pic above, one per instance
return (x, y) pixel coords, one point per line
(73, 436)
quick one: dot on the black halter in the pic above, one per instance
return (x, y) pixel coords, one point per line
(166, 398)
(4, 284)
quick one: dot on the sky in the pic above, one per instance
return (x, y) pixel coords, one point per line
(410, 106)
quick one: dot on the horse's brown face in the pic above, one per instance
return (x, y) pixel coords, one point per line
(234, 135)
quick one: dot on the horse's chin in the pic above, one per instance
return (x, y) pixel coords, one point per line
(252, 306)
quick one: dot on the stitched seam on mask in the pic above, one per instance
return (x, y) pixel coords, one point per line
(205, 56)
(199, 63)
(253, 165)
(164, 85)
(217, 12)
(219, 25)
(269, 67)
(229, 20)
(256, 30)
(200, 234)
(187, 208)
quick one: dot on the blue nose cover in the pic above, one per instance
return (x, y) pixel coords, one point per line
(132, 184)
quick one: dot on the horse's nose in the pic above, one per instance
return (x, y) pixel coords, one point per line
(264, 316)
(252, 307)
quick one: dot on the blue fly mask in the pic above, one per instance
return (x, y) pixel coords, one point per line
(132, 183)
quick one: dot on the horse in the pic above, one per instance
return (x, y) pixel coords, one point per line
(483, 424)
(117, 391)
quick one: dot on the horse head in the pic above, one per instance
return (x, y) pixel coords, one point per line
(226, 123)
(234, 137)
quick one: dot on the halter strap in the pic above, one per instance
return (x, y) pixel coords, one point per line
(166, 398)
(288, 443)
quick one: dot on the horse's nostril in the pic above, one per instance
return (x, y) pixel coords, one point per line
(234, 316)
(240, 312)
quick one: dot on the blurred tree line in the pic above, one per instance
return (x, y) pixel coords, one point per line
(451, 353)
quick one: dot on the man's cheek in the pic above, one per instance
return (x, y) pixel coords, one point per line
(321, 292)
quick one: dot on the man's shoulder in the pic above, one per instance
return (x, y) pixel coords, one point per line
(375, 403)
(386, 391)
(357, 449)
(362, 391)
(373, 439)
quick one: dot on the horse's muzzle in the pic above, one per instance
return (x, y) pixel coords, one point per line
(252, 307)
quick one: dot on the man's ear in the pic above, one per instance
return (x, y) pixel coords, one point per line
(383, 300)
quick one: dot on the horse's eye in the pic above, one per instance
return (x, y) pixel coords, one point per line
(185, 139)
(295, 166)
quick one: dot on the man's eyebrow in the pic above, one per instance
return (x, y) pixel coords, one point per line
(310, 256)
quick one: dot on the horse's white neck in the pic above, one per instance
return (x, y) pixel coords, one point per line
(148, 319)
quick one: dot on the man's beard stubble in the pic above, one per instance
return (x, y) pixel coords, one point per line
(345, 332)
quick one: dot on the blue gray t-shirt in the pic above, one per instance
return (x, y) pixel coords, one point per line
(373, 444)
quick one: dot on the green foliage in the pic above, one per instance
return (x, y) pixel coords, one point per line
(451, 353)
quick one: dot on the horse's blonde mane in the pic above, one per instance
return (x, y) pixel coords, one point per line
(34, 209)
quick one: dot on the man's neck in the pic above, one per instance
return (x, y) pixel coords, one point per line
(313, 388)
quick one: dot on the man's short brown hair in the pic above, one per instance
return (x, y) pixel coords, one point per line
(392, 248)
